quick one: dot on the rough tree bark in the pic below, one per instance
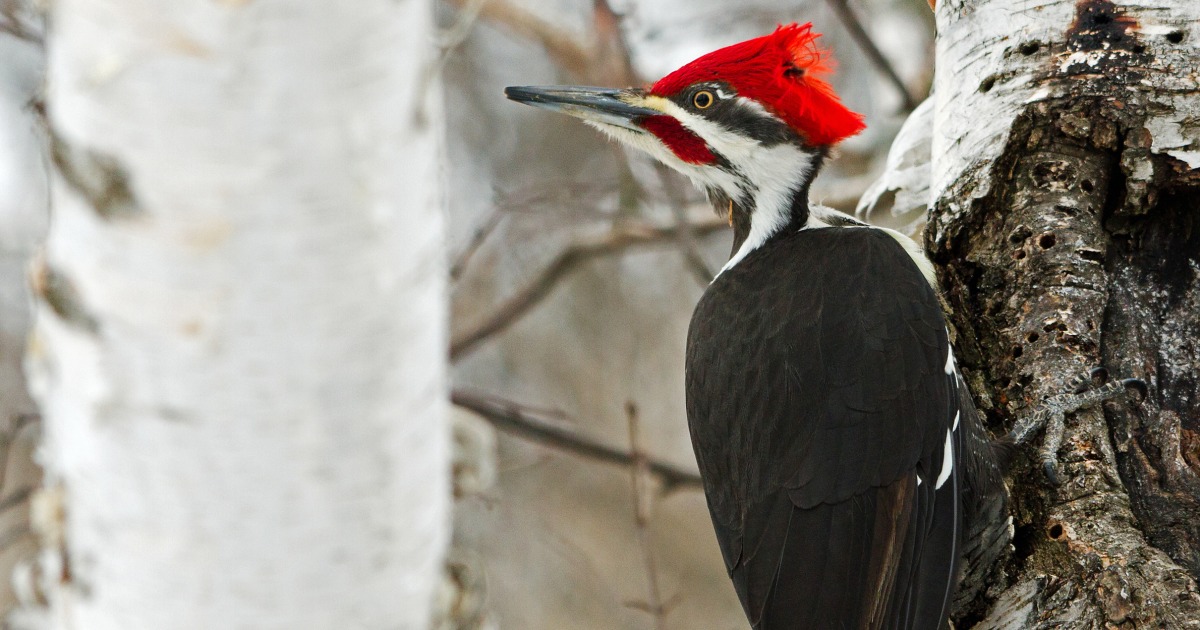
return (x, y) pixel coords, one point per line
(240, 346)
(1066, 221)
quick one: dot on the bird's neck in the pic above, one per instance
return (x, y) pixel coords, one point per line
(771, 208)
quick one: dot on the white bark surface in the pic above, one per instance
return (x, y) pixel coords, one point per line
(992, 63)
(240, 348)
(902, 190)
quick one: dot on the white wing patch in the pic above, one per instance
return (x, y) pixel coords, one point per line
(947, 462)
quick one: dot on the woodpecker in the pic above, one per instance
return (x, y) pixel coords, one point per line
(845, 466)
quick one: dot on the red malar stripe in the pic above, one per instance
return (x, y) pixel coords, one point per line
(686, 145)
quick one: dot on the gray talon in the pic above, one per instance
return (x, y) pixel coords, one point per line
(1138, 385)
(1050, 415)
(1051, 471)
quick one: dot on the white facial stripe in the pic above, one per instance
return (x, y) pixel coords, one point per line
(757, 108)
(947, 462)
(956, 415)
(703, 176)
(772, 172)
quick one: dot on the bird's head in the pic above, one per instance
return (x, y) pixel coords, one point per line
(749, 124)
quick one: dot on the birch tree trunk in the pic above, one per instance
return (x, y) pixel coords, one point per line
(239, 350)
(1066, 220)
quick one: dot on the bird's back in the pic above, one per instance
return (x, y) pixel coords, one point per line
(821, 405)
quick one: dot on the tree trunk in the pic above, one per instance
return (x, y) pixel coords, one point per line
(1066, 222)
(240, 346)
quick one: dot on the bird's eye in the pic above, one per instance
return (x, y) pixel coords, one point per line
(703, 99)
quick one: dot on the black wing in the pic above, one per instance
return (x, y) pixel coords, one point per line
(821, 404)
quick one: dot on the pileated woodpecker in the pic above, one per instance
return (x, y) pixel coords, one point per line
(846, 469)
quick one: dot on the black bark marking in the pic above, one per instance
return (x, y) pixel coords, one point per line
(1100, 25)
(97, 177)
(61, 295)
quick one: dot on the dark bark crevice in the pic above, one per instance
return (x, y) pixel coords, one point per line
(1065, 265)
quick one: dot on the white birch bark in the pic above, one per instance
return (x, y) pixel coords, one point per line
(997, 57)
(239, 350)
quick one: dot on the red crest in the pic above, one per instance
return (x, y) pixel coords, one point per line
(782, 71)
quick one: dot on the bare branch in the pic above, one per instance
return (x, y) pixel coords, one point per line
(8, 437)
(559, 45)
(477, 239)
(18, 497)
(622, 237)
(18, 26)
(13, 536)
(642, 506)
(612, 56)
(687, 239)
(524, 422)
(864, 41)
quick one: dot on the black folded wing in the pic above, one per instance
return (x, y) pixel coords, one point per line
(821, 403)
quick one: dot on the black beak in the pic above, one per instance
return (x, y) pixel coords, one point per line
(602, 105)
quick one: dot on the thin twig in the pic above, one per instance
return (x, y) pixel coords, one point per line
(623, 236)
(17, 497)
(13, 536)
(641, 515)
(13, 25)
(864, 41)
(519, 420)
(559, 45)
(18, 25)
(613, 57)
(7, 438)
(687, 239)
(477, 239)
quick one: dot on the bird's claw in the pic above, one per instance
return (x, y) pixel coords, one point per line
(1050, 467)
(1139, 386)
(1084, 391)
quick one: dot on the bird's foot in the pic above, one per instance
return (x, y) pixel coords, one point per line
(1085, 391)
